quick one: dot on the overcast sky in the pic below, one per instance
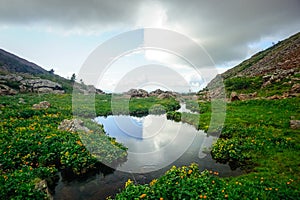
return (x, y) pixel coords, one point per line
(61, 34)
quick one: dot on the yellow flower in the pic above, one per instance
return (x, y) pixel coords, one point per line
(153, 182)
(128, 183)
(190, 171)
(79, 142)
(143, 195)
(161, 198)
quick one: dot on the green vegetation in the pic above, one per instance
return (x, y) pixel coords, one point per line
(256, 137)
(32, 148)
(243, 84)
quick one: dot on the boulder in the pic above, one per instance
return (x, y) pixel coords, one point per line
(40, 86)
(295, 124)
(295, 88)
(73, 125)
(41, 105)
(165, 96)
(43, 186)
(11, 77)
(234, 96)
(5, 90)
(137, 93)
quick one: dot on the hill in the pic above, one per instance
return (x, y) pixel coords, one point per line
(273, 73)
(19, 75)
(11, 63)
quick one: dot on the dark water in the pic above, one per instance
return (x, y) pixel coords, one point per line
(154, 145)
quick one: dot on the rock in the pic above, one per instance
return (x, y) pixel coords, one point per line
(21, 100)
(234, 96)
(73, 125)
(41, 105)
(11, 77)
(5, 90)
(295, 124)
(274, 97)
(295, 88)
(164, 96)
(137, 93)
(156, 92)
(43, 186)
(40, 86)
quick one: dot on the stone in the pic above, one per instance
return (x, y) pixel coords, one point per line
(41, 105)
(40, 86)
(164, 96)
(11, 77)
(5, 90)
(295, 124)
(43, 186)
(234, 96)
(21, 100)
(137, 93)
(73, 125)
(295, 88)
(274, 97)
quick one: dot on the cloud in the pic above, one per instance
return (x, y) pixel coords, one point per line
(225, 28)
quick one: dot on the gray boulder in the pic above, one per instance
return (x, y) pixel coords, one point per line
(40, 86)
(5, 90)
(41, 105)
(73, 125)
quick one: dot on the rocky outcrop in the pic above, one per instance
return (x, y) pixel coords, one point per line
(5, 90)
(137, 93)
(140, 93)
(86, 89)
(73, 125)
(41, 105)
(40, 86)
(279, 64)
(242, 97)
(11, 77)
(163, 94)
(23, 85)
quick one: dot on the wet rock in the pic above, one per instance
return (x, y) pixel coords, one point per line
(295, 124)
(41, 105)
(73, 125)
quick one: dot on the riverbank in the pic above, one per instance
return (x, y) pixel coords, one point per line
(256, 137)
(33, 149)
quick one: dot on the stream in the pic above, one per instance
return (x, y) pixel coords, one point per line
(154, 145)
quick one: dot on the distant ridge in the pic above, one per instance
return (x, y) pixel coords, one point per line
(11, 63)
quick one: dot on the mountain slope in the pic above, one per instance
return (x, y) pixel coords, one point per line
(274, 71)
(11, 63)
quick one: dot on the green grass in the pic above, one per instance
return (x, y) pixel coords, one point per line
(256, 137)
(32, 148)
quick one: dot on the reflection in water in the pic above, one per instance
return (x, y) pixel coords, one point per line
(154, 145)
(153, 141)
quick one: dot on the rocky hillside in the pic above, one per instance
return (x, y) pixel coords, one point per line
(272, 73)
(18, 75)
